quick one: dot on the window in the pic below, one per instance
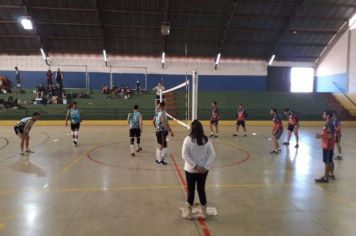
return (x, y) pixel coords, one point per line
(302, 80)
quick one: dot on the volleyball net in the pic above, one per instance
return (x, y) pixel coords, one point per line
(190, 89)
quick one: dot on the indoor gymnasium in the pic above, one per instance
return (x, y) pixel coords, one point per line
(162, 117)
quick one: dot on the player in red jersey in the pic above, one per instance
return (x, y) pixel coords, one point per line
(327, 142)
(293, 126)
(214, 119)
(241, 115)
(277, 130)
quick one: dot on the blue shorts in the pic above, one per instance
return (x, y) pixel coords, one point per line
(214, 122)
(279, 133)
(328, 155)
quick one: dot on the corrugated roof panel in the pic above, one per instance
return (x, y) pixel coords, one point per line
(252, 7)
(131, 33)
(63, 3)
(138, 5)
(70, 30)
(299, 51)
(197, 21)
(244, 35)
(201, 6)
(305, 37)
(65, 16)
(315, 24)
(11, 2)
(134, 48)
(257, 23)
(131, 19)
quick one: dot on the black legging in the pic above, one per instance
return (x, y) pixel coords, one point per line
(200, 179)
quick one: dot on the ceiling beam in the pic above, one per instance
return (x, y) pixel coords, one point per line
(27, 12)
(201, 29)
(166, 19)
(229, 17)
(285, 28)
(100, 20)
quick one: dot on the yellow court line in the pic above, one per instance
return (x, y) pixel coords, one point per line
(149, 123)
(69, 166)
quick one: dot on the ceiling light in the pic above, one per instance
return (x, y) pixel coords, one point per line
(352, 22)
(165, 28)
(43, 54)
(26, 23)
(217, 58)
(105, 57)
(271, 60)
(163, 57)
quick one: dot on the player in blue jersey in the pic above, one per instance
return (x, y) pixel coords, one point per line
(162, 128)
(135, 124)
(74, 115)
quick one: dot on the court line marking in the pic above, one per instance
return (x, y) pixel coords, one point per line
(203, 226)
(6, 142)
(68, 167)
(245, 156)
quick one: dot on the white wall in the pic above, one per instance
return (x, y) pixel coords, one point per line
(172, 66)
(352, 67)
(334, 68)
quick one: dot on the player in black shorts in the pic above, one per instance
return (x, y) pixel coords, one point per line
(135, 124)
(22, 129)
(293, 126)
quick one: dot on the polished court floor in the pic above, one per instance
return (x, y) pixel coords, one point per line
(97, 188)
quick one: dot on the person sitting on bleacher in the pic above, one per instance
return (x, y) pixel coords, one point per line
(114, 90)
(127, 92)
(40, 91)
(105, 90)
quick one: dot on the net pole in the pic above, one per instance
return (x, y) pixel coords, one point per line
(194, 95)
(186, 100)
(87, 79)
(160, 95)
(111, 79)
(145, 78)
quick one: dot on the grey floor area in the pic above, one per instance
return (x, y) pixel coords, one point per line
(97, 188)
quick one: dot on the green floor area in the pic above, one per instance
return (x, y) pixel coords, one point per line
(309, 106)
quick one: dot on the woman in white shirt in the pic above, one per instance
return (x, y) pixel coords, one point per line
(198, 153)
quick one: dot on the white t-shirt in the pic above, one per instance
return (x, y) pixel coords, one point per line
(194, 154)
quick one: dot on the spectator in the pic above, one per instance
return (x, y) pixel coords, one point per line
(49, 79)
(40, 91)
(59, 78)
(159, 89)
(138, 87)
(105, 90)
(18, 78)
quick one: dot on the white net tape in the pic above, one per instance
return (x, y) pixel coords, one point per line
(185, 84)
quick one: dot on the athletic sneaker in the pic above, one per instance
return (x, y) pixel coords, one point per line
(75, 143)
(332, 177)
(338, 157)
(322, 180)
(203, 209)
(234, 135)
(157, 162)
(245, 135)
(132, 154)
(187, 213)
(211, 135)
(29, 151)
(297, 145)
(279, 149)
(216, 135)
(163, 163)
(139, 149)
(274, 151)
(22, 153)
(286, 143)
